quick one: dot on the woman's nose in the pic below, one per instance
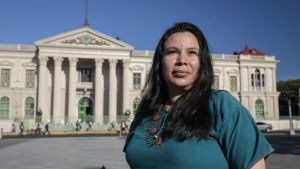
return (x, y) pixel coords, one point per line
(181, 58)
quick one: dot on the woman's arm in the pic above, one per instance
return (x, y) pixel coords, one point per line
(259, 165)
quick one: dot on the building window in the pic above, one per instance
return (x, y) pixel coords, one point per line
(136, 80)
(85, 75)
(29, 108)
(263, 80)
(30, 74)
(233, 83)
(136, 103)
(216, 82)
(259, 108)
(257, 78)
(5, 77)
(252, 80)
(4, 107)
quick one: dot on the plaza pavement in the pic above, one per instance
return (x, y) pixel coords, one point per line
(63, 153)
(92, 152)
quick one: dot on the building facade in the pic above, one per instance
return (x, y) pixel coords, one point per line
(85, 74)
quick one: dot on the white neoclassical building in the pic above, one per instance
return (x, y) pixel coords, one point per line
(89, 75)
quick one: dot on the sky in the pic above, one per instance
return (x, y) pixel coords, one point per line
(271, 26)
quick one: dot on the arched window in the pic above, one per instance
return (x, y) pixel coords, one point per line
(136, 103)
(29, 108)
(4, 107)
(259, 108)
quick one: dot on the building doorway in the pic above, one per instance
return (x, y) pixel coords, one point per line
(85, 110)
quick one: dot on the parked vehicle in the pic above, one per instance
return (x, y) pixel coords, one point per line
(264, 127)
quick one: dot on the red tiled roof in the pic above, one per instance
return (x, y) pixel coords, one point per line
(248, 51)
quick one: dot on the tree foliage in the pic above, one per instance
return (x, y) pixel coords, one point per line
(289, 90)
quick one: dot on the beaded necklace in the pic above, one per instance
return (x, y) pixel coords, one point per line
(155, 127)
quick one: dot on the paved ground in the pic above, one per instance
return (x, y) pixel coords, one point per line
(62, 153)
(93, 152)
(287, 152)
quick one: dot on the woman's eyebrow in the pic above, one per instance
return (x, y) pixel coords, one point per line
(193, 48)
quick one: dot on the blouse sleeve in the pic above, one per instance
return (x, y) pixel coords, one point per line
(240, 139)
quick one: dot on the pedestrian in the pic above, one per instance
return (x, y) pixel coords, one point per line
(89, 126)
(38, 130)
(181, 122)
(13, 127)
(78, 125)
(112, 126)
(47, 129)
(21, 127)
(122, 129)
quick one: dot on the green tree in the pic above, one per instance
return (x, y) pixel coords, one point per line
(288, 90)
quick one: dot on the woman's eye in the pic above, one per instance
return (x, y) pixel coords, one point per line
(168, 52)
(193, 52)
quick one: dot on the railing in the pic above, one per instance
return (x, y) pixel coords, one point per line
(31, 123)
(278, 118)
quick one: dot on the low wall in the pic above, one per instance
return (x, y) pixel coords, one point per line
(283, 124)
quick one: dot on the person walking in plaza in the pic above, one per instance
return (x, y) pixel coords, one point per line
(181, 122)
(122, 129)
(38, 130)
(78, 125)
(90, 124)
(13, 127)
(112, 126)
(47, 129)
(21, 127)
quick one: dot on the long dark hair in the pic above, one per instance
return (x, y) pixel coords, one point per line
(191, 114)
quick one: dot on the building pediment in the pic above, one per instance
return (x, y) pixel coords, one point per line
(6, 63)
(29, 64)
(84, 37)
(233, 71)
(136, 67)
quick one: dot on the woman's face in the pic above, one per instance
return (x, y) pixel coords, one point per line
(180, 62)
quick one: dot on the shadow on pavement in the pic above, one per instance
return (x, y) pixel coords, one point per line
(11, 142)
(285, 144)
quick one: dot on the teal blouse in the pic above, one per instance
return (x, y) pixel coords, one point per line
(234, 142)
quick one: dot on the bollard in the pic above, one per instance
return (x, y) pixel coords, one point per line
(1, 131)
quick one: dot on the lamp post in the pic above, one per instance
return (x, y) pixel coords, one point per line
(292, 131)
(299, 103)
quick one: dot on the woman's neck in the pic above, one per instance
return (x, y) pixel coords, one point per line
(174, 95)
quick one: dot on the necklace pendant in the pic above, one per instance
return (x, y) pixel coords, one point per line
(158, 141)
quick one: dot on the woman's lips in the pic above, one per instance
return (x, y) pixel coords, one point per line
(180, 73)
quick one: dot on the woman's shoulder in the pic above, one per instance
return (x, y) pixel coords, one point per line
(222, 96)
(224, 104)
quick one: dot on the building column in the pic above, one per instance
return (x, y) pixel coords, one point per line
(43, 88)
(269, 82)
(58, 116)
(99, 91)
(224, 82)
(249, 79)
(72, 115)
(126, 98)
(274, 80)
(244, 79)
(261, 79)
(112, 91)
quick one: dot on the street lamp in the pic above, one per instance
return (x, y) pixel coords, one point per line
(292, 131)
(299, 103)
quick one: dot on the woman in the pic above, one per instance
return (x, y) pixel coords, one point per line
(181, 122)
